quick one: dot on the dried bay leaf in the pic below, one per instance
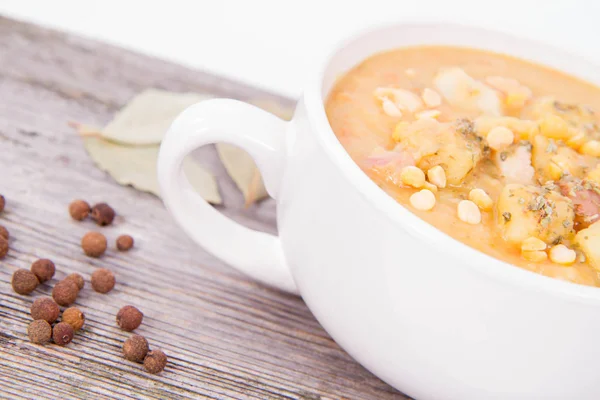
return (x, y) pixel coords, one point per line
(241, 167)
(136, 166)
(127, 147)
(147, 117)
(244, 172)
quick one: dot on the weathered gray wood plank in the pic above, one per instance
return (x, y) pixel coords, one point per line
(227, 337)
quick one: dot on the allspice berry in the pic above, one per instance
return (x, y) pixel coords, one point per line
(78, 279)
(135, 348)
(129, 318)
(44, 269)
(3, 247)
(74, 317)
(24, 281)
(4, 232)
(79, 210)
(124, 242)
(45, 308)
(103, 280)
(62, 334)
(93, 244)
(103, 214)
(65, 292)
(155, 361)
(39, 331)
(2, 203)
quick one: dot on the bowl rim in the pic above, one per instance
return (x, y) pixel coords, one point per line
(478, 261)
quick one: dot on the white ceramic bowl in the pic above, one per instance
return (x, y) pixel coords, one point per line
(429, 315)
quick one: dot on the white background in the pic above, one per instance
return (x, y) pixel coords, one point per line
(271, 43)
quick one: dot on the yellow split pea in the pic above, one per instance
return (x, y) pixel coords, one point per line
(423, 200)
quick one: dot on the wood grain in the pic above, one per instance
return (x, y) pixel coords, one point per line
(226, 336)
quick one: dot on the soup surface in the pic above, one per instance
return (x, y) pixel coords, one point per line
(497, 152)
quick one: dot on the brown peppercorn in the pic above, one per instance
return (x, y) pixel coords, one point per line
(45, 308)
(24, 281)
(124, 242)
(3, 247)
(79, 210)
(155, 361)
(62, 334)
(129, 318)
(74, 317)
(78, 279)
(39, 331)
(65, 292)
(4, 232)
(2, 203)
(103, 280)
(135, 348)
(93, 244)
(44, 269)
(103, 214)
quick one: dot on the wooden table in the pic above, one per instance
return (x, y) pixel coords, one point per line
(226, 336)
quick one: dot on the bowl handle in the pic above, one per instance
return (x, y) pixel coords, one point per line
(261, 134)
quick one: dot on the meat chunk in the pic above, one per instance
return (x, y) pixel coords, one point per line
(386, 165)
(526, 210)
(453, 146)
(464, 92)
(397, 158)
(585, 196)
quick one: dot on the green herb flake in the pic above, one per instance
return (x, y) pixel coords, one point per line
(551, 148)
(527, 144)
(564, 107)
(537, 204)
(549, 186)
(466, 127)
(507, 216)
(546, 221)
